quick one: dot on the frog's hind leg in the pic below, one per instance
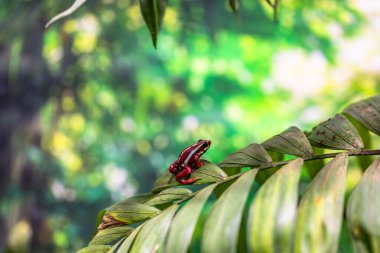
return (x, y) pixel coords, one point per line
(184, 173)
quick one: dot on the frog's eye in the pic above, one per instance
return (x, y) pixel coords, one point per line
(200, 140)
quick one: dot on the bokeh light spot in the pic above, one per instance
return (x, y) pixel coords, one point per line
(77, 122)
(68, 103)
(161, 141)
(171, 19)
(234, 112)
(127, 124)
(143, 147)
(60, 238)
(190, 123)
(20, 235)
(134, 20)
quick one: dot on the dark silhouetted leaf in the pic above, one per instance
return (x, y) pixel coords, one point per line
(250, 156)
(67, 12)
(234, 4)
(221, 229)
(367, 112)
(273, 211)
(276, 8)
(275, 5)
(169, 195)
(153, 13)
(184, 222)
(336, 133)
(363, 211)
(291, 141)
(95, 249)
(108, 235)
(153, 232)
(320, 211)
(208, 173)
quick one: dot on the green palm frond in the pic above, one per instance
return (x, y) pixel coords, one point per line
(284, 211)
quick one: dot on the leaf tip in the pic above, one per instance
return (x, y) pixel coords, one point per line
(298, 162)
(154, 40)
(234, 5)
(51, 21)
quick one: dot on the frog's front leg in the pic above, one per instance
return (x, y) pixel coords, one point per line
(174, 168)
(184, 173)
(198, 162)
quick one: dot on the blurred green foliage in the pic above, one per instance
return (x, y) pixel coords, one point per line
(90, 112)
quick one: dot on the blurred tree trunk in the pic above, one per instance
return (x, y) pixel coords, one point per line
(25, 86)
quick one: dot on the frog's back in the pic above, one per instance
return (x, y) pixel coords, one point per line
(184, 154)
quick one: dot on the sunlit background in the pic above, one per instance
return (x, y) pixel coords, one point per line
(90, 112)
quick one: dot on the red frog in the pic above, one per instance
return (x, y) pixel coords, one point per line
(188, 161)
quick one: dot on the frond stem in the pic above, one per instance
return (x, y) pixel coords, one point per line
(362, 152)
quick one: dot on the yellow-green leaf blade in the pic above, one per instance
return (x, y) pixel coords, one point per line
(208, 173)
(221, 229)
(108, 235)
(250, 156)
(131, 212)
(140, 198)
(153, 232)
(336, 133)
(320, 211)
(126, 244)
(291, 141)
(273, 211)
(153, 13)
(363, 211)
(169, 195)
(95, 249)
(117, 245)
(74, 7)
(184, 222)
